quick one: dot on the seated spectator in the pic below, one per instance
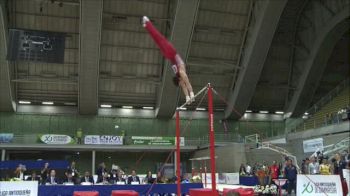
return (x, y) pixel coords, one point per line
(161, 179)
(133, 177)
(113, 177)
(120, 177)
(69, 179)
(87, 178)
(19, 172)
(33, 177)
(148, 179)
(52, 179)
(104, 179)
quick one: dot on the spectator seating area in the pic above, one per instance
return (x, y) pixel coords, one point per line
(330, 113)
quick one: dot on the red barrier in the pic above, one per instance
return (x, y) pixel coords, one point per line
(86, 193)
(125, 193)
(203, 192)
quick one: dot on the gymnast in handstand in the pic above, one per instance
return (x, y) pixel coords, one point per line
(170, 53)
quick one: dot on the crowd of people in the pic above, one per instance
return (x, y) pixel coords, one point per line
(318, 165)
(115, 175)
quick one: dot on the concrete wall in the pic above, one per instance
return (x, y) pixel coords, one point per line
(229, 157)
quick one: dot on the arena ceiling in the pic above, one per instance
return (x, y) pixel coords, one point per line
(248, 50)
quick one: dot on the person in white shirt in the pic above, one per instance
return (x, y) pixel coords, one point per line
(314, 166)
(19, 172)
(248, 169)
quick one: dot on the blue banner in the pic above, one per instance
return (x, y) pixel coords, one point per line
(53, 164)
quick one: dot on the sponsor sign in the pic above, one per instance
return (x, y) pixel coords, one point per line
(6, 137)
(319, 185)
(208, 175)
(232, 178)
(103, 139)
(20, 188)
(313, 145)
(163, 141)
(56, 139)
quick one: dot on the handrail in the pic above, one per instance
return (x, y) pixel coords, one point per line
(269, 146)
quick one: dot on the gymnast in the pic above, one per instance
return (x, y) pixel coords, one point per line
(170, 53)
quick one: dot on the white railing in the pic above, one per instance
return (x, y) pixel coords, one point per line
(269, 146)
(333, 148)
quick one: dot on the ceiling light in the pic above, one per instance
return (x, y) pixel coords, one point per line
(127, 107)
(248, 111)
(47, 103)
(24, 102)
(200, 109)
(263, 112)
(220, 109)
(279, 112)
(306, 113)
(70, 103)
(182, 108)
(106, 106)
(148, 108)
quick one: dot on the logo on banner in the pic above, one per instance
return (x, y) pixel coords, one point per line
(103, 139)
(56, 139)
(29, 188)
(319, 185)
(6, 137)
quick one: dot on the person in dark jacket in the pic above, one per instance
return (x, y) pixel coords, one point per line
(290, 173)
(33, 177)
(87, 178)
(133, 177)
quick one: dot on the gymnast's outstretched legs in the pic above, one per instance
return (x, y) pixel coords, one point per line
(169, 52)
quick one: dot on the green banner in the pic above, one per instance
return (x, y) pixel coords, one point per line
(161, 141)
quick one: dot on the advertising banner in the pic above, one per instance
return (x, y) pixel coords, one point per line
(319, 185)
(313, 145)
(103, 139)
(162, 141)
(56, 139)
(6, 137)
(228, 178)
(20, 188)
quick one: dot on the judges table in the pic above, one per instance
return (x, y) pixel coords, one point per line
(248, 180)
(106, 190)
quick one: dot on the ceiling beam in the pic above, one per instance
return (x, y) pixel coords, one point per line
(185, 18)
(7, 102)
(317, 61)
(90, 38)
(258, 42)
